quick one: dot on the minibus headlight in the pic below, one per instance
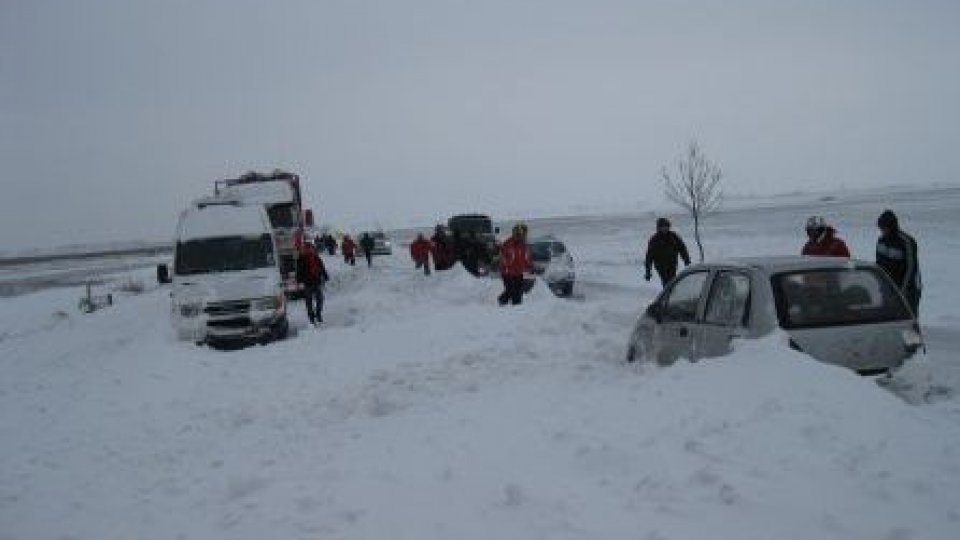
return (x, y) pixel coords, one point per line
(269, 303)
(190, 310)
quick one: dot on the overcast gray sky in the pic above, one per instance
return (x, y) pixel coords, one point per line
(114, 114)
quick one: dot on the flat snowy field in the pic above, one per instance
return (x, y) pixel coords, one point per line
(422, 410)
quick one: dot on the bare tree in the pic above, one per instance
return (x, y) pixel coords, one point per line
(695, 186)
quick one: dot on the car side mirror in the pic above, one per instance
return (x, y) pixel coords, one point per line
(163, 274)
(655, 312)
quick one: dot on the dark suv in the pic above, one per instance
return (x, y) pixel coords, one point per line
(474, 241)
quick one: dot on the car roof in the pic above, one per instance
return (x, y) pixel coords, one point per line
(788, 263)
(543, 239)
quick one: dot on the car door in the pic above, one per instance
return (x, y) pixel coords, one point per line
(726, 314)
(674, 335)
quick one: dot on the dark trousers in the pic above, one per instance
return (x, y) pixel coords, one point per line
(369, 257)
(666, 274)
(313, 297)
(426, 266)
(512, 290)
(350, 259)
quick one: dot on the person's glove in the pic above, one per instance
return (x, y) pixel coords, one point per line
(647, 276)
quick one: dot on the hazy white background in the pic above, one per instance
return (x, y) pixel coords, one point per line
(114, 114)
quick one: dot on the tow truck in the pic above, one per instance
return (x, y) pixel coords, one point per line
(279, 193)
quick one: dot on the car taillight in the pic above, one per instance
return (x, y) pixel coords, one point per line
(912, 338)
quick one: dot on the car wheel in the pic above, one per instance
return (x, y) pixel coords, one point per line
(634, 351)
(566, 289)
(281, 329)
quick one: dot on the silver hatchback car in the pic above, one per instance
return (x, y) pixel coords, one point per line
(839, 311)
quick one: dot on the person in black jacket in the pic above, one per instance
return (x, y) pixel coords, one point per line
(662, 251)
(329, 243)
(897, 254)
(366, 245)
(312, 274)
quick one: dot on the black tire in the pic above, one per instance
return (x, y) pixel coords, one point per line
(163, 274)
(566, 289)
(281, 329)
(635, 351)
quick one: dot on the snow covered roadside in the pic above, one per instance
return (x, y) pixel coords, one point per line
(422, 410)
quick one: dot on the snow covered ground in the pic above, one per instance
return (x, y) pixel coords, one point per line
(422, 410)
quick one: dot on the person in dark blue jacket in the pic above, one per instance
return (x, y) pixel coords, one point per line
(897, 254)
(663, 248)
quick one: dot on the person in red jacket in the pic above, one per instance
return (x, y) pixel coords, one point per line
(420, 251)
(349, 249)
(514, 261)
(823, 240)
(312, 274)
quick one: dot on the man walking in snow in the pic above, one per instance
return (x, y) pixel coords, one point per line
(348, 248)
(514, 262)
(367, 245)
(662, 251)
(420, 252)
(822, 240)
(312, 274)
(329, 243)
(897, 255)
(442, 256)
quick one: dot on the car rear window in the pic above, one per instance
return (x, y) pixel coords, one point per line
(540, 251)
(836, 297)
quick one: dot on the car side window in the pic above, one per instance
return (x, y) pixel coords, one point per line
(684, 297)
(729, 300)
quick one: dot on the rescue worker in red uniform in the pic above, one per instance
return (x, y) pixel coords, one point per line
(420, 252)
(514, 261)
(312, 274)
(349, 249)
(822, 240)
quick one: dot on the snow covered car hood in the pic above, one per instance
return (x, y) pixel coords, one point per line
(226, 286)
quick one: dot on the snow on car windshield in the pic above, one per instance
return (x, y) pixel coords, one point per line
(836, 297)
(223, 254)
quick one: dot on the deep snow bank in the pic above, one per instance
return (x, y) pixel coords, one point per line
(423, 410)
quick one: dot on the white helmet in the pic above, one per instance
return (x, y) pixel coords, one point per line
(816, 222)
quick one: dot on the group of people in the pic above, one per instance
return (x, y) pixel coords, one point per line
(896, 252)
(312, 273)
(514, 259)
(348, 247)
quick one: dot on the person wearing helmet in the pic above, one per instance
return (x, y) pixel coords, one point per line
(663, 248)
(897, 255)
(514, 262)
(822, 240)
